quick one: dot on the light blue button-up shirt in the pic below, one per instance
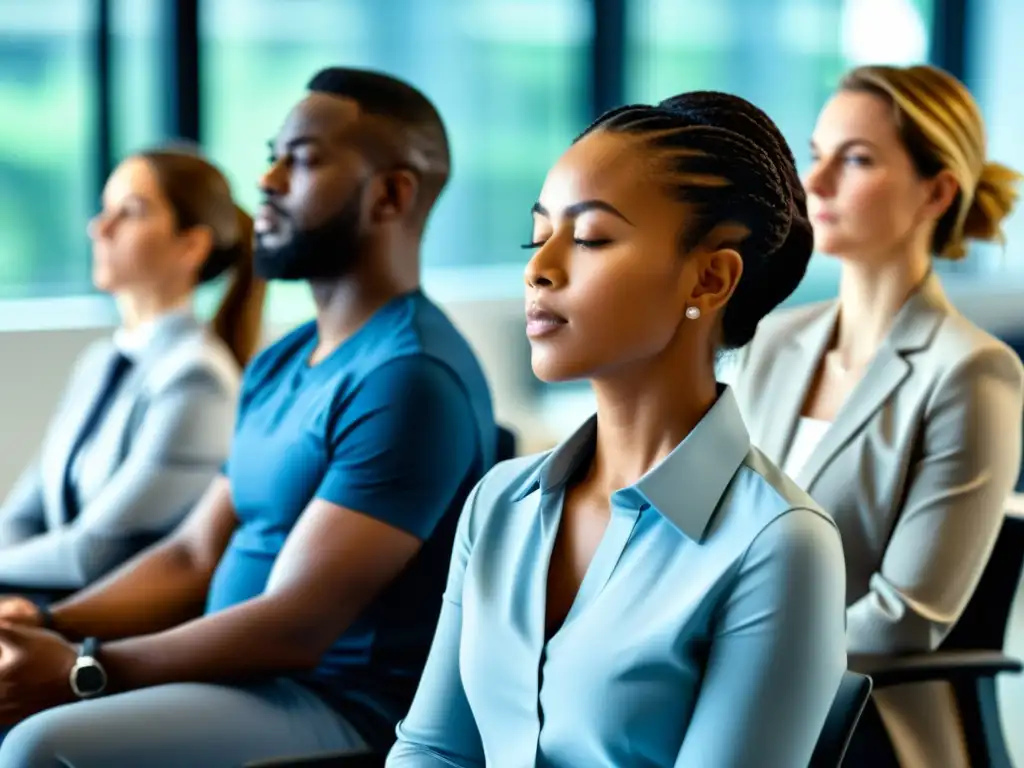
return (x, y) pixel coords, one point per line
(708, 631)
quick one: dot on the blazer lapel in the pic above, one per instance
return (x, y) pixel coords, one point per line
(885, 373)
(72, 422)
(912, 330)
(108, 433)
(788, 380)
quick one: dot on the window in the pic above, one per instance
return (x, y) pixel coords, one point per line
(140, 41)
(508, 77)
(998, 61)
(902, 39)
(47, 183)
(785, 56)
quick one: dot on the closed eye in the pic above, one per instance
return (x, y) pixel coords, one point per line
(600, 243)
(579, 241)
(287, 160)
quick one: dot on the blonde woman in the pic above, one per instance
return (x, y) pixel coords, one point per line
(897, 414)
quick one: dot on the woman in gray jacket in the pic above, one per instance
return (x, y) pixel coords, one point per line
(894, 412)
(147, 417)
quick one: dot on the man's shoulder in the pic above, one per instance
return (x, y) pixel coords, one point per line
(421, 327)
(409, 345)
(416, 339)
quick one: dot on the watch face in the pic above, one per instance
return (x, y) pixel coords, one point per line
(89, 679)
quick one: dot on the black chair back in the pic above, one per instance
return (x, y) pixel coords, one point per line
(847, 707)
(982, 627)
(506, 444)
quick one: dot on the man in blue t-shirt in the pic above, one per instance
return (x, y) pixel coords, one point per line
(321, 552)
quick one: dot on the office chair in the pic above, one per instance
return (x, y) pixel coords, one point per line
(854, 692)
(507, 444)
(971, 655)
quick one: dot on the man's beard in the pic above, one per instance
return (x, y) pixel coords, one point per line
(327, 252)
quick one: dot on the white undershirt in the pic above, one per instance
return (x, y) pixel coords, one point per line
(805, 439)
(133, 341)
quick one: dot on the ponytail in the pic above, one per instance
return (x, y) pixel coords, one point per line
(238, 321)
(200, 196)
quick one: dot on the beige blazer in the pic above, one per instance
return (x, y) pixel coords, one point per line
(915, 470)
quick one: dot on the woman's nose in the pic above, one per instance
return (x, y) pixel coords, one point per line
(546, 269)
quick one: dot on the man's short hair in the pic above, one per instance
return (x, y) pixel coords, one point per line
(415, 122)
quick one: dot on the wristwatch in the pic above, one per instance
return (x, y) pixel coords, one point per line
(88, 678)
(45, 616)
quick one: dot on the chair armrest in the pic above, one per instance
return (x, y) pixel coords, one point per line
(343, 759)
(951, 666)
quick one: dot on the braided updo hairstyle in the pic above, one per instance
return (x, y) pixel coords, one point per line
(727, 159)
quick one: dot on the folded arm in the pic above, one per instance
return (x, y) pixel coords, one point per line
(778, 654)
(180, 443)
(953, 509)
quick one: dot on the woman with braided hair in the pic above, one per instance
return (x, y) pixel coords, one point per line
(893, 411)
(653, 591)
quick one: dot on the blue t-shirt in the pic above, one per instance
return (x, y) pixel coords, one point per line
(395, 423)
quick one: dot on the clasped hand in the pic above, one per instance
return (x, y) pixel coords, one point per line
(35, 666)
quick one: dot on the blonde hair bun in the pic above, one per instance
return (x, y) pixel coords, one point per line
(994, 199)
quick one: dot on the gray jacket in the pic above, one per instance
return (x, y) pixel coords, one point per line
(159, 444)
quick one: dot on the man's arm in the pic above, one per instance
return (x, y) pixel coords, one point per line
(394, 473)
(161, 587)
(333, 564)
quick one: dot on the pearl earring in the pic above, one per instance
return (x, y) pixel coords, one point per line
(692, 313)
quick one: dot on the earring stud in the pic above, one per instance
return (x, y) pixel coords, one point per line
(692, 313)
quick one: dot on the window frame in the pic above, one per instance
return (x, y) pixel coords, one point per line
(180, 46)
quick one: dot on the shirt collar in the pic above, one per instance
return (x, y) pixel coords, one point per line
(132, 342)
(685, 487)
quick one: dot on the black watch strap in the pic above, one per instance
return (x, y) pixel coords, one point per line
(45, 617)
